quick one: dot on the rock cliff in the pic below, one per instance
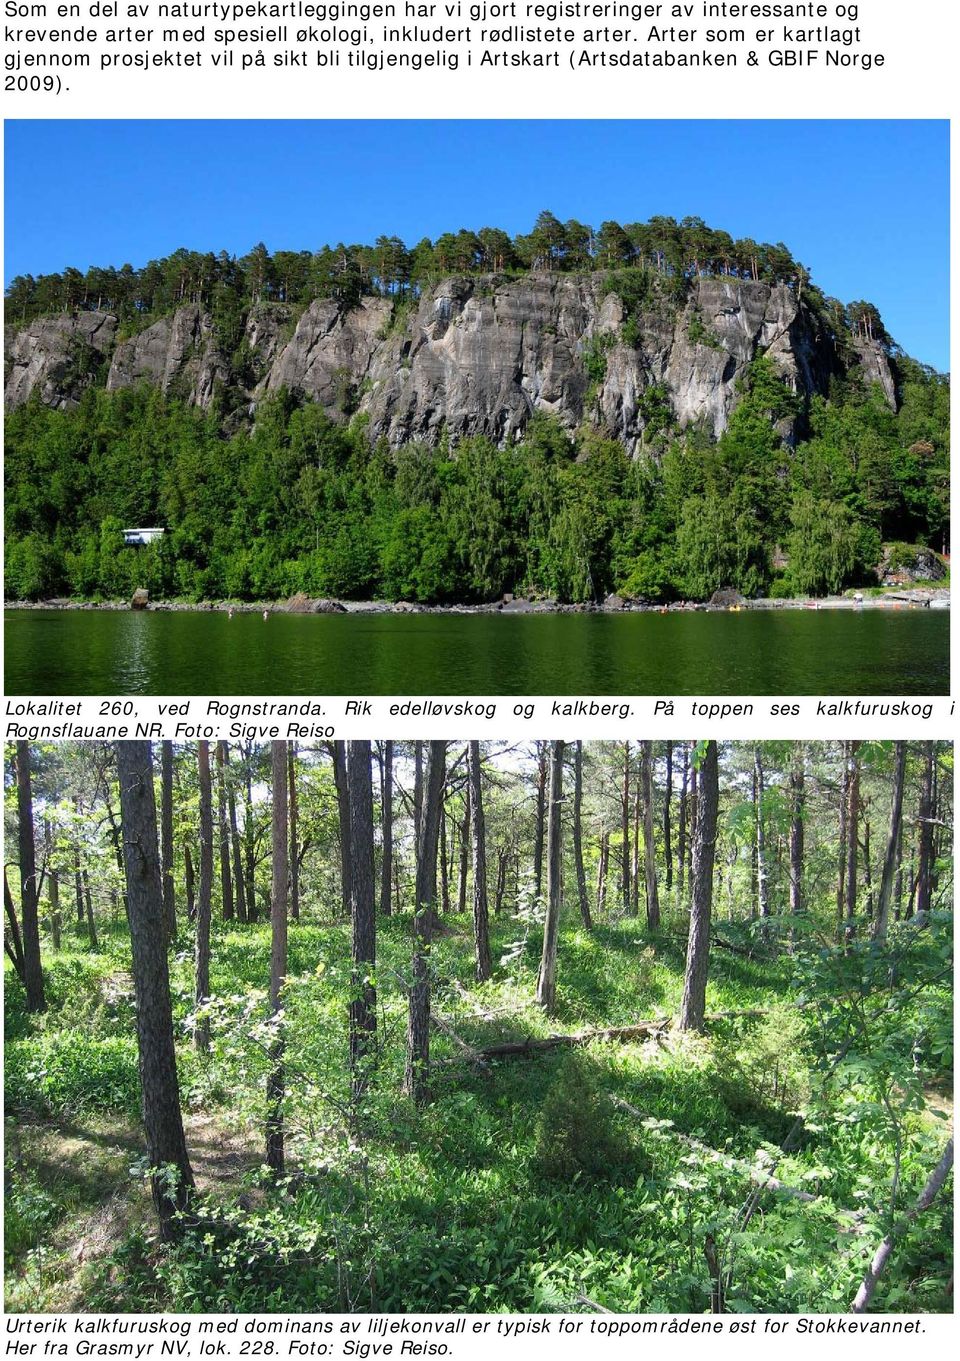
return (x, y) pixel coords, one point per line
(474, 355)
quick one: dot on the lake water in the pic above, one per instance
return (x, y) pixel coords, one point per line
(789, 652)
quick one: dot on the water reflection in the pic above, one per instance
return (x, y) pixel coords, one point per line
(93, 652)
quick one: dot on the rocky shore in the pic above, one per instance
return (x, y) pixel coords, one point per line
(722, 602)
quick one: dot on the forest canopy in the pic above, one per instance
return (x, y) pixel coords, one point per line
(629, 1026)
(302, 503)
(225, 283)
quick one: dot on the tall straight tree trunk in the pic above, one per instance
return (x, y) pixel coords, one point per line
(92, 936)
(797, 814)
(649, 849)
(338, 751)
(189, 883)
(53, 885)
(925, 831)
(417, 790)
(78, 882)
(898, 884)
(626, 893)
(667, 798)
(29, 918)
(363, 920)
(294, 834)
(867, 871)
(602, 872)
(502, 858)
(201, 1034)
(853, 818)
(842, 856)
(172, 1179)
(386, 806)
(763, 882)
(693, 1006)
(280, 878)
(223, 835)
(682, 821)
(481, 922)
(540, 819)
(578, 837)
(891, 859)
(249, 837)
(692, 816)
(444, 857)
(464, 852)
(166, 841)
(547, 980)
(417, 1074)
(235, 843)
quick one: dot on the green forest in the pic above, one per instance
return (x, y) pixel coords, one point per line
(479, 1026)
(303, 503)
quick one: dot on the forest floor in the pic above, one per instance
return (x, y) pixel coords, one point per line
(575, 1177)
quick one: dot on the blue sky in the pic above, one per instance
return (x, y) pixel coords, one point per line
(864, 204)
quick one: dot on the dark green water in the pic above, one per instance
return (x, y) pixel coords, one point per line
(795, 652)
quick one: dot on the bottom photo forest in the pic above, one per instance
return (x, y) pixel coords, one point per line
(631, 1027)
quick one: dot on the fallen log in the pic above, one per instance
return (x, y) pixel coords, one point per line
(657, 1025)
(758, 1174)
(467, 1050)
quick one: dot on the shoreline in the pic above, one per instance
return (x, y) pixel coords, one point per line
(937, 598)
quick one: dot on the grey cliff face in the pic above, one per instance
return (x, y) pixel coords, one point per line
(473, 356)
(58, 358)
(177, 354)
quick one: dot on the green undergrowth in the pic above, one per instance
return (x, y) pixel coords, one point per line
(581, 1173)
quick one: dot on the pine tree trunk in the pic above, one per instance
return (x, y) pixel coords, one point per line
(649, 849)
(693, 1006)
(223, 836)
(241, 896)
(201, 1034)
(682, 822)
(294, 834)
(602, 873)
(417, 1074)
(386, 804)
(763, 883)
(547, 980)
(53, 886)
(160, 1093)
(667, 798)
(891, 859)
(578, 837)
(444, 858)
(166, 840)
(481, 923)
(280, 878)
(540, 819)
(797, 813)
(853, 816)
(249, 837)
(338, 751)
(29, 918)
(464, 853)
(363, 918)
(626, 894)
(925, 832)
(92, 936)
